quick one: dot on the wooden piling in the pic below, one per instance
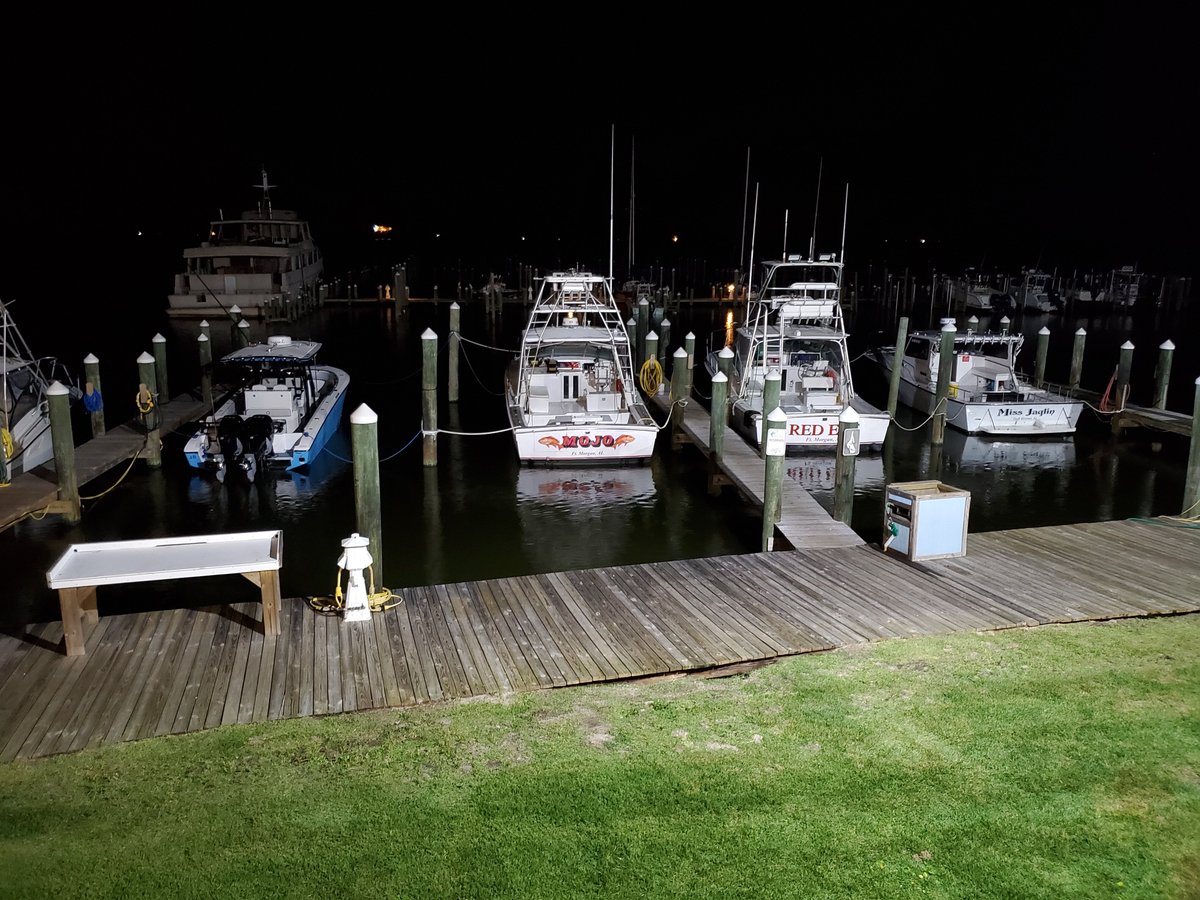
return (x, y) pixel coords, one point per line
(148, 401)
(717, 417)
(775, 447)
(1043, 350)
(770, 400)
(664, 343)
(643, 327)
(91, 378)
(243, 333)
(1124, 369)
(204, 350)
(847, 455)
(1191, 488)
(59, 400)
(651, 351)
(945, 365)
(429, 352)
(1162, 374)
(206, 329)
(454, 325)
(1004, 323)
(158, 345)
(1077, 359)
(368, 509)
(689, 344)
(897, 365)
(680, 392)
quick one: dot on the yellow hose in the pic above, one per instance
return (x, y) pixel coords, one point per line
(376, 599)
(651, 376)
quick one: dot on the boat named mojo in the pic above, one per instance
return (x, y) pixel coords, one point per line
(283, 409)
(986, 395)
(794, 327)
(570, 389)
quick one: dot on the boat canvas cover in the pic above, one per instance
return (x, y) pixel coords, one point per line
(295, 352)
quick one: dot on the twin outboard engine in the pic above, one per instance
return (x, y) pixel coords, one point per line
(245, 443)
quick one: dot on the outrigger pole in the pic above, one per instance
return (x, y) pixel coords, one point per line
(816, 208)
(612, 150)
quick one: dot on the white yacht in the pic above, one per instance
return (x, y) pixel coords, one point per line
(264, 255)
(570, 389)
(1036, 292)
(794, 326)
(986, 395)
(972, 292)
(282, 410)
(1122, 288)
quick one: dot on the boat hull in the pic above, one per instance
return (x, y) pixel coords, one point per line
(590, 444)
(812, 431)
(1032, 417)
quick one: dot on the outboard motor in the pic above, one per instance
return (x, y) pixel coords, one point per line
(229, 436)
(257, 444)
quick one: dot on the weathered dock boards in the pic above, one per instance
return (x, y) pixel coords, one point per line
(31, 492)
(185, 670)
(1133, 416)
(803, 522)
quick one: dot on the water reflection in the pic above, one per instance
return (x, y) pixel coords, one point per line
(575, 489)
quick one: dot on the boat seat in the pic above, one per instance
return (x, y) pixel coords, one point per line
(539, 399)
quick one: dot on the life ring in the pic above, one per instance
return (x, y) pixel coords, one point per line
(144, 400)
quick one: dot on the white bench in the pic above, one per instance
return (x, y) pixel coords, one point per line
(258, 555)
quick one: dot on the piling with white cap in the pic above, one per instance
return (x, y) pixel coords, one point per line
(847, 454)
(1043, 350)
(455, 320)
(945, 369)
(429, 352)
(159, 347)
(1077, 359)
(368, 509)
(94, 399)
(58, 398)
(147, 406)
(774, 429)
(1162, 375)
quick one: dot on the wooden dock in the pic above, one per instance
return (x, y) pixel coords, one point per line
(1133, 416)
(32, 492)
(185, 670)
(803, 522)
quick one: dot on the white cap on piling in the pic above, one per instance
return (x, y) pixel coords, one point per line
(429, 335)
(949, 326)
(643, 302)
(848, 416)
(90, 359)
(773, 375)
(666, 321)
(204, 323)
(726, 353)
(145, 358)
(158, 339)
(777, 415)
(1165, 345)
(1081, 331)
(455, 305)
(1043, 330)
(651, 336)
(680, 352)
(203, 337)
(243, 324)
(1128, 345)
(1005, 320)
(234, 310)
(364, 415)
(57, 390)
(632, 322)
(719, 378)
(689, 337)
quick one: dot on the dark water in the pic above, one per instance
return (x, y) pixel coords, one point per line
(479, 514)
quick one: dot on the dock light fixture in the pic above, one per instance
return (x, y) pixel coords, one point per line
(354, 560)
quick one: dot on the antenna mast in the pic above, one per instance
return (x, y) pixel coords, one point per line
(785, 217)
(842, 255)
(816, 208)
(266, 189)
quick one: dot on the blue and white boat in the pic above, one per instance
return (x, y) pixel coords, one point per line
(282, 409)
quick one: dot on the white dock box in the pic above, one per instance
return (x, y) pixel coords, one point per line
(925, 520)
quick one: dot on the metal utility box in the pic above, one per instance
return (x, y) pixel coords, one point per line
(925, 520)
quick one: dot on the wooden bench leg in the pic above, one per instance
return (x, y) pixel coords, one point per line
(272, 604)
(69, 602)
(87, 605)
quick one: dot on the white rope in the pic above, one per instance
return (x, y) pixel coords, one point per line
(936, 410)
(510, 428)
(485, 346)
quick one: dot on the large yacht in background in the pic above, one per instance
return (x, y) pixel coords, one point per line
(249, 261)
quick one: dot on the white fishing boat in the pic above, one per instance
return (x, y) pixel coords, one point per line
(25, 440)
(986, 396)
(282, 409)
(794, 327)
(972, 292)
(570, 389)
(252, 261)
(1122, 288)
(1036, 292)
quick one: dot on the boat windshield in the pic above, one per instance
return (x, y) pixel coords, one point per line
(790, 278)
(813, 356)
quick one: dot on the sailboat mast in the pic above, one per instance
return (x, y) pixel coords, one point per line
(612, 152)
(632, 198)
(745, 199)
(753, 232)
(785, 218)
(816, 208)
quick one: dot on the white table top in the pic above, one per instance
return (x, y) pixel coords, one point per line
(121, 562)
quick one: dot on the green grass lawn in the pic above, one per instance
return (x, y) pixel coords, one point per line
(1056, 762)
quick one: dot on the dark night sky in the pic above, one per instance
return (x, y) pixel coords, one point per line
(1025, 135)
